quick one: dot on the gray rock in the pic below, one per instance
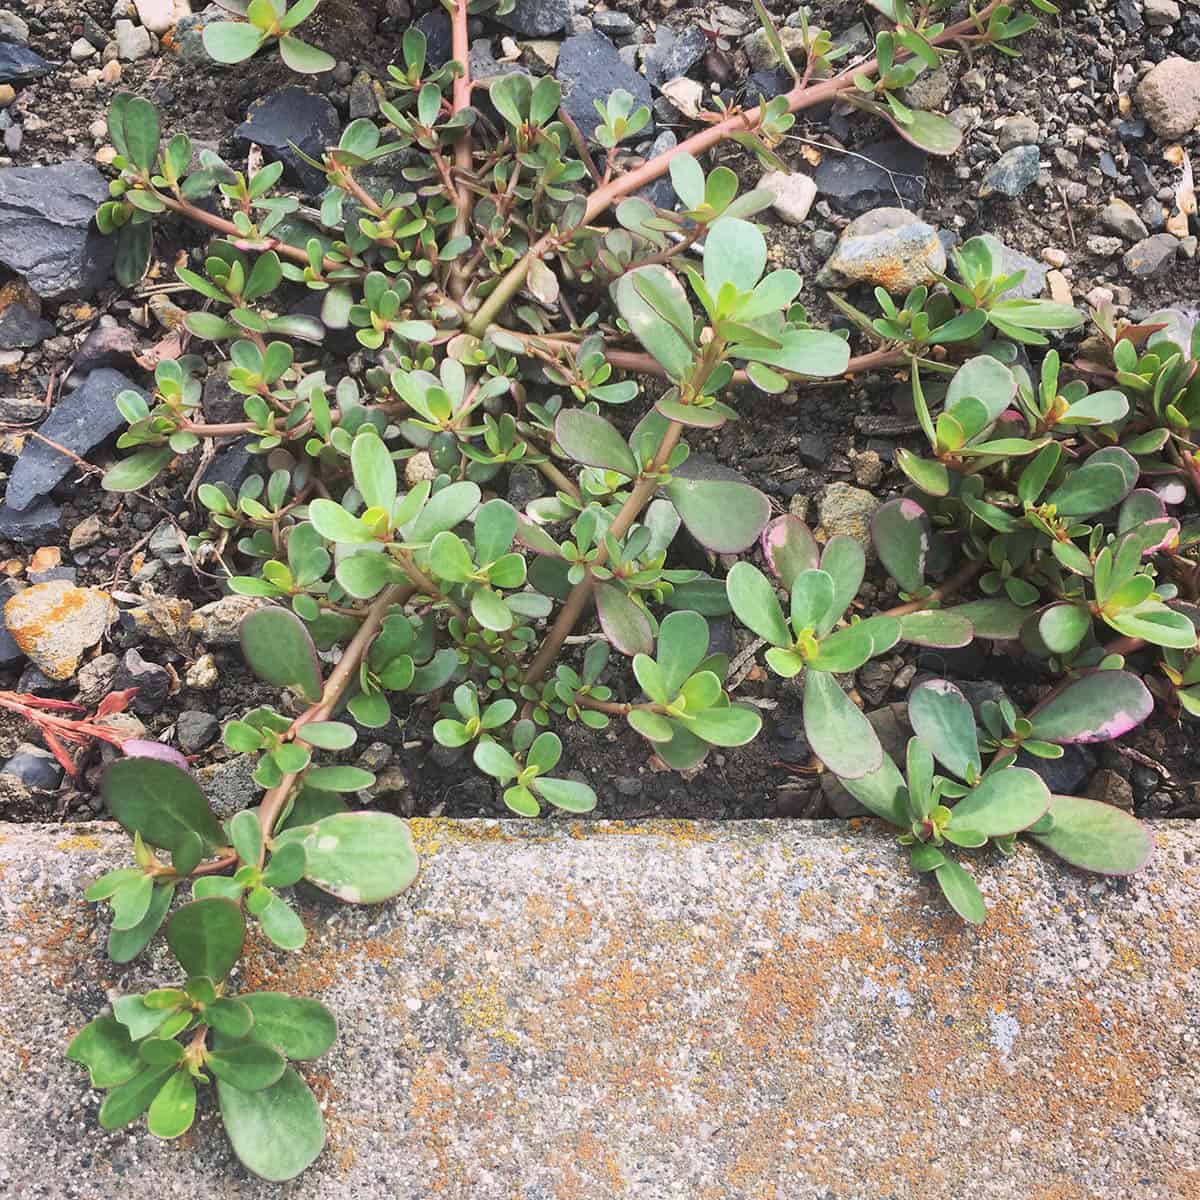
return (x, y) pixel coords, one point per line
(234, 464)
(108, 345)
(887, 247)
(612, 24)
(660, 193)
(1169, 97)
(589, 68)
(21, 321)
(13, 28)
(19, 64)
(153, 683)
(1019, 130)
(762, 55)
(676, 56)
(1161, 12)
(35, 767)
(230, 785)
(1011, 173)
(537, 18)
(733, 966)
(95, 678)
(1152, 256)
(1065, 776)
(46, 231)
(80, 421)
(524, 484)
(32, 526)
(845, 509)
(194, 730)
(219, 623)
(885, 173)
(133, 41)
(293, 116)
(930, 90)
(1121, 218)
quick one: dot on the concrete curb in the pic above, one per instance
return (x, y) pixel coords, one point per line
(667, 1011)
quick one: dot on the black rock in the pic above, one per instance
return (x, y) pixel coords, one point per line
(35, 768)
(10, 652)
(613, 24)
(762, 86)
(219, 402)
(435, 26)
(1132, 131)
(19, 64)
(524, 485)
(660, 193)
(46, 230)
(50, 574)
(537, 18)
(79, 422)
(233, 465)
(33, 526)
(291, 117)
(108, 345)
(1142, 176)
(1013, 172)
(1130, 14)
(153, 683)
(195, 730)
(888, 173)
(21, 322)
(1066, 776)
(589, 68)
(677, 57)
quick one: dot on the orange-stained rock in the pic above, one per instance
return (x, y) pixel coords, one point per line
(55, 622)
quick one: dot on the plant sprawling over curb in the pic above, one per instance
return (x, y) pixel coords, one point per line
(502, 255)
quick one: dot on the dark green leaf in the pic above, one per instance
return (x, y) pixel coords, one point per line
(206, 936)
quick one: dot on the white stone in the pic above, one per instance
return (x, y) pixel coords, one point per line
(157, 15)
(794, 194)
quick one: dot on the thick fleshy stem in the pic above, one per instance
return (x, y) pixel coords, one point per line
(274, 801)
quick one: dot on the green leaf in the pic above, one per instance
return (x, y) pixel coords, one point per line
(998, 619)
(489, 609)
(247, 836)
(755, 604)
(160, 801)
(280, 651)
(882, 792)
(652, 726)
(961, 891)
(735, 252)
(366, 574)
(1036, 314)
(1096, 837)
(450, 559)
(298, 1028)
(339, 779)
(943, 720)
(590, 439)
(844, 561)
(1097, 708)
(332, 521)
(669, 344)
(839, 734)
(624, 623)
(131, 901)
(495, 528)
(328, 735)
(1063, 626)
(206, 936)
(901, 532)
(734, 725)
(105, 1048)
(249, 1066)
(846, 650)
(231, 41)
(128, 1101)
(930, 476)
(126, 944)
(1155, 623)
(141, 133)
(137, 470)
(789, 548)
(936, 627)
(566, 794)
(360, 857)
(1005, 802)
(276, 1133)
(174, 1108)
(985, 379)
(445, 509)
(280, 922)
(932, 133)
(302, 57)
(229, 1017)
(724, 516)
(374, 470)
(682, 645)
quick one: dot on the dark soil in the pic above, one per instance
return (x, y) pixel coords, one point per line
(1070, 75)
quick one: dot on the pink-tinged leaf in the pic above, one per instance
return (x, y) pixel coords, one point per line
(1095, 836)
(624, 623)
(1140, 505)
(145, 748)
(1165, 533)
(789, 548)
(901, 532)
(1097, 708)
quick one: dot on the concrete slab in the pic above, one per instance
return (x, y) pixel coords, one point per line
(759, 1011)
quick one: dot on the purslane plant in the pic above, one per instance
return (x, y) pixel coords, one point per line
(509, 292)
